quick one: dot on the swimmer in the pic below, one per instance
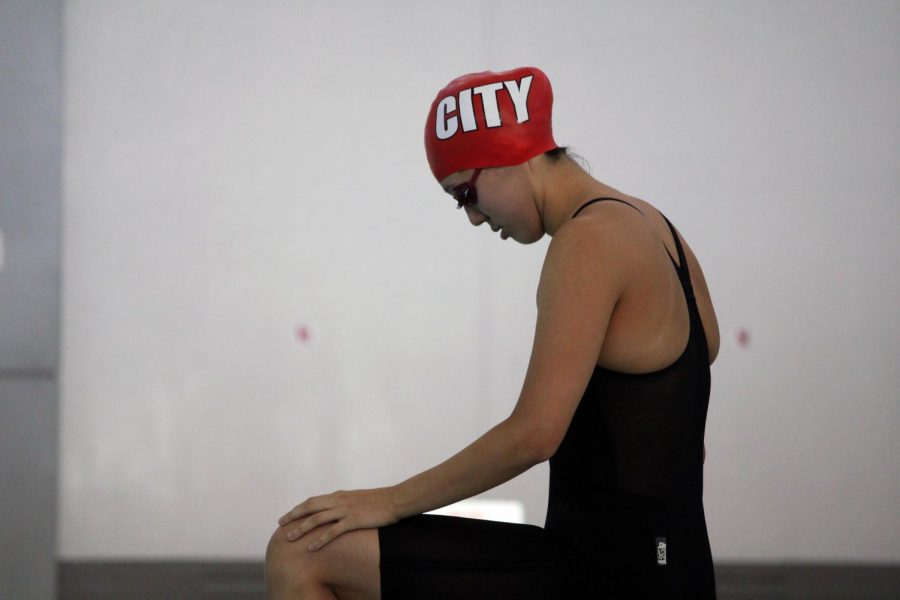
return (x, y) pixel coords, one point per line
(615, 395)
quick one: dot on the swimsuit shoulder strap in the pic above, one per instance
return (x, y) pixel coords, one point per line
(589, 202)
(683, 272)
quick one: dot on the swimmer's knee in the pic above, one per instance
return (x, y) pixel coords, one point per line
(282, 570)
(289, 560)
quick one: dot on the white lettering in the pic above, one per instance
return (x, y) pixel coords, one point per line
(466, 111)
(519, 95)
(488, 95)
(447, 126)
(444, 127)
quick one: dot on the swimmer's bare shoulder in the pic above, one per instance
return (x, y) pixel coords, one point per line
(579, 242)
(643, 232)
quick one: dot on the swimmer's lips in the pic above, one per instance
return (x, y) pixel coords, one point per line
(503, 234)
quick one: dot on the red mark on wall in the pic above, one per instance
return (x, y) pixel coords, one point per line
(743, 337)
(302, 332)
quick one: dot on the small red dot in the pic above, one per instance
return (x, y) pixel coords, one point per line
(743, 338)
(303, 333)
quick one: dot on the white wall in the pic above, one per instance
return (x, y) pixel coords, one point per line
(234, 171)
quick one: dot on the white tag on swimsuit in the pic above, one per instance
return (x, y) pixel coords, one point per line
(660, 550)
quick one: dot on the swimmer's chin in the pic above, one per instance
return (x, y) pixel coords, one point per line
(528, 241)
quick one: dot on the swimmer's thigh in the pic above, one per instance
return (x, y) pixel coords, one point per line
(443, 557)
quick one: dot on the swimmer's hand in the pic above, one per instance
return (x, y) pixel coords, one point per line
(349, 510)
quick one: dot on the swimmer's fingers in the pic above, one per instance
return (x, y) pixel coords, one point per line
(320, 518)
(334, 531)
(307, 507)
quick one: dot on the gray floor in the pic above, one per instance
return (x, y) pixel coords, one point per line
(244, 581)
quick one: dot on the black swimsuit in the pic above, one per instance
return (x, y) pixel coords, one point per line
(625, 512)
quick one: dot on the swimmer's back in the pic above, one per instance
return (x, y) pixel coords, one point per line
(649, 326)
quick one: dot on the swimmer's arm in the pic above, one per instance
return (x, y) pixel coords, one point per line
(502, 453)
(581, 281)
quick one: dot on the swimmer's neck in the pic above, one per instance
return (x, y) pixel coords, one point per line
(560, 188)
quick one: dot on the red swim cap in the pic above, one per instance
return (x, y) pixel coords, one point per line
(508, 123)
